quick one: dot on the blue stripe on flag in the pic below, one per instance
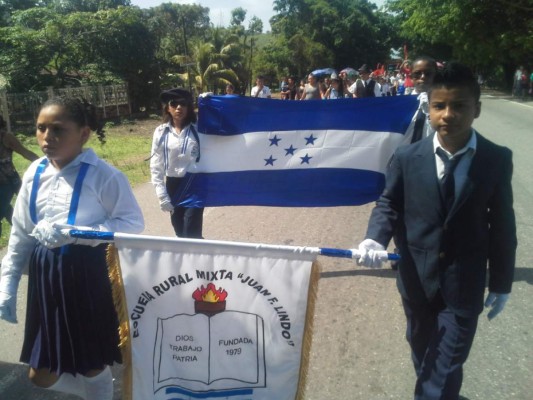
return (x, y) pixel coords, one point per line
(324, 187)
(209, 395)
(233, 115)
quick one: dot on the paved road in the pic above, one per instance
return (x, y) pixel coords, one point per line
(359, 351)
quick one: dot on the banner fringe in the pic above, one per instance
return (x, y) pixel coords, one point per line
(308, 330)
(119, 300)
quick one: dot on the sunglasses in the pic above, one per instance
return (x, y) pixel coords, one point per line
(178, 102)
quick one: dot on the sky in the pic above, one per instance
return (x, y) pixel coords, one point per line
(220, 10)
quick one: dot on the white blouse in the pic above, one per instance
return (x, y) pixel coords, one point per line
(106, 203)
(173, 154)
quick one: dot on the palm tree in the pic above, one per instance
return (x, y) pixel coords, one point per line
(209, 71)
(229, 54)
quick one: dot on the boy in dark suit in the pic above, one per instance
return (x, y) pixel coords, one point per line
(450, 198)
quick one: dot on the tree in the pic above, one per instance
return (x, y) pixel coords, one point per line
(244, 65)
(228, 50)
(7, 8)
(69, 6)
(174, 26)
(345, 32)
(124, 47)
(276, 59)
(237, 16)
(36, 42)
(462, 26)
(209, 73)
(43, 48)
(290, 16)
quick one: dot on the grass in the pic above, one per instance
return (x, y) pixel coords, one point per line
(127, 148)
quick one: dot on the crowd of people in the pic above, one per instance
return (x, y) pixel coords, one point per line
(365, 82)
(348, 83)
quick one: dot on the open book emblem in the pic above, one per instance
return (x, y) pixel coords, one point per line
(213, 349)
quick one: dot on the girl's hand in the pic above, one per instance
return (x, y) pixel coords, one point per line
(8, 307)
(50, 235)
(166, 205)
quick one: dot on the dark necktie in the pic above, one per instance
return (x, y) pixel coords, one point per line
(447, 183)
(419, 126)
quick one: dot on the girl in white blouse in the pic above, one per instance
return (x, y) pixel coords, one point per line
(175, 150)
(71, 331)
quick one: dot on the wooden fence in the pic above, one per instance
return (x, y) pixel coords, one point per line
(20, 109)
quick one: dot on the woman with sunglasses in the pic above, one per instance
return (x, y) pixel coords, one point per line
(175, 150)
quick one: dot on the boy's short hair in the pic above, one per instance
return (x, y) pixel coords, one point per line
(455, 74)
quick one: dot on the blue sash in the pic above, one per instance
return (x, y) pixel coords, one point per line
(75, 195)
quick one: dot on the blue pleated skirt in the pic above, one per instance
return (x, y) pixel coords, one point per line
(71, 323)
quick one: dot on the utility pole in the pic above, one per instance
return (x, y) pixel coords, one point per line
(251, 59)
(190, 64)
(186, 48)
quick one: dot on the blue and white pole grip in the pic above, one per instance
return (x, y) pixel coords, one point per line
(100, 236)
(354, 253)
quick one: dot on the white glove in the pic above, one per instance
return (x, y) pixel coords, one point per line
(65, 231)
(50, 235)
(496, 301)
(371, 254)
(54, 235)
(8, 307)
(166, 205)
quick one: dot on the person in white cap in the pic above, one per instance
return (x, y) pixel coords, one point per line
(175, 151)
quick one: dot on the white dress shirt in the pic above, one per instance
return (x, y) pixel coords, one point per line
(461, 170)
(173, 154)
(423, 107)
(106, 203)
(264, 93)
(360, 84)
(377, 87)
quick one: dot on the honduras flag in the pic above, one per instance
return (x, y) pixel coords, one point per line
(269, 152)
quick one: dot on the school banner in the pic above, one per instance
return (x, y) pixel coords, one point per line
(270, 152)
(207, 319)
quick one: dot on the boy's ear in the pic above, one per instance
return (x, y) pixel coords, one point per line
(85, 134)
(478, 109)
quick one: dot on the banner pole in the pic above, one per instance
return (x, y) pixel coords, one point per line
(106, 237)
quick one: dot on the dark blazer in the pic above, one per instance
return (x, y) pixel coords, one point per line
(449, 252)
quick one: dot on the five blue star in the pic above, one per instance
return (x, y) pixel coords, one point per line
(310, 140)
(274, 140)
(305, 160)
(290, 150)
(270, 161)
